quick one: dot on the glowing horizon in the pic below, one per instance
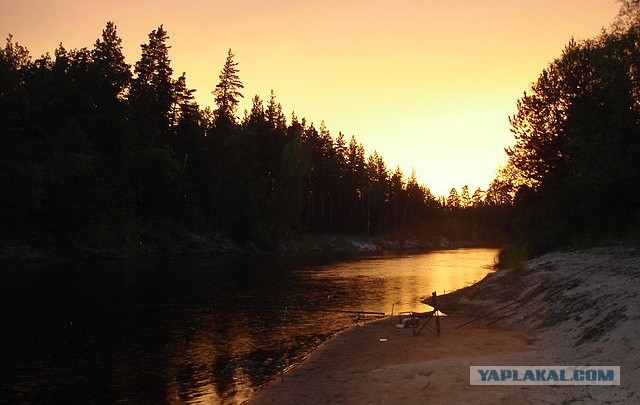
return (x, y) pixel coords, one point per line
(427, 85)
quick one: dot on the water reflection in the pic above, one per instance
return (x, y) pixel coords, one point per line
(383, 282)
(195, 331)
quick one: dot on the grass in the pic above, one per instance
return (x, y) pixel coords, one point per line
(512, 257)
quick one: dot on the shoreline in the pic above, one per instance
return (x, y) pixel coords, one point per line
(564, 308)
(357, 367)
(219, 245)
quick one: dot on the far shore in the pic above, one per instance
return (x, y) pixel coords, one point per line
(217, 244)
(564, 308)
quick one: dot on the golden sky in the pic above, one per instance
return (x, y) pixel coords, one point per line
(428, 84)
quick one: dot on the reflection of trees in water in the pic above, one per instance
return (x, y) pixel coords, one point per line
(223, 372)
(189, 330)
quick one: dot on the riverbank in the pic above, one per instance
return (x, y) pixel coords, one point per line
(564, 308)
(382, 364)
(218, 244)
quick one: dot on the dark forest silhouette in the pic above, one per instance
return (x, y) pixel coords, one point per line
(95, 155)
(98, 154)
(574, 170)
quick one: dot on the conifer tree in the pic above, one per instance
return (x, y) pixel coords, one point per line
(465, 198)
(14, 56)
(417, 198)
(152, 92)
(227, 92)
(477, 199)
(110, 61)
(396, 195)
(273, 113)
(182, 100)
(453, 201)
(256, 116)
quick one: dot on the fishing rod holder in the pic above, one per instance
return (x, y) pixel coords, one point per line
(418, 321)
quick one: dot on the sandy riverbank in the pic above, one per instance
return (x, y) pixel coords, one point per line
(567, 308)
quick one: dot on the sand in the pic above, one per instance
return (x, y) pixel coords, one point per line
(565, 308)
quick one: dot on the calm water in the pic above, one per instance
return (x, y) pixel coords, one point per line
(194, 331)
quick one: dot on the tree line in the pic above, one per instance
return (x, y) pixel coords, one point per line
(572, 172)
(95, 152)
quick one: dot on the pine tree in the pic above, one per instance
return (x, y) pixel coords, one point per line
(109, 59)
(152, 92)
(182, 100)
(274, 114)
(377, 193)
(396, 195)
(256, 117)
(20, 172)
(628, 15)
(14, 56)
(465, 198)
(417, 198)
(290, 189)
(477, 199)
(227, 92)
(453, 201)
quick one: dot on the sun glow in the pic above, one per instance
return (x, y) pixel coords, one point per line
(428, 85)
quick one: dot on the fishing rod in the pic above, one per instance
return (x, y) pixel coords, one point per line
(271, 308)
(339, 311)
(287, 308)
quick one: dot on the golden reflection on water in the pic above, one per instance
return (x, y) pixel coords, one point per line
(370, 284)
(402, 282)
(190, 374)
(198, 330)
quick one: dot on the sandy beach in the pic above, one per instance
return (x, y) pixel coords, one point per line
(564, 308)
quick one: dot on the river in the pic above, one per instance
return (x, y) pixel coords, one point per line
(196, 330)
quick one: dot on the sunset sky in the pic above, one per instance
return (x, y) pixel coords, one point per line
(428, 84)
